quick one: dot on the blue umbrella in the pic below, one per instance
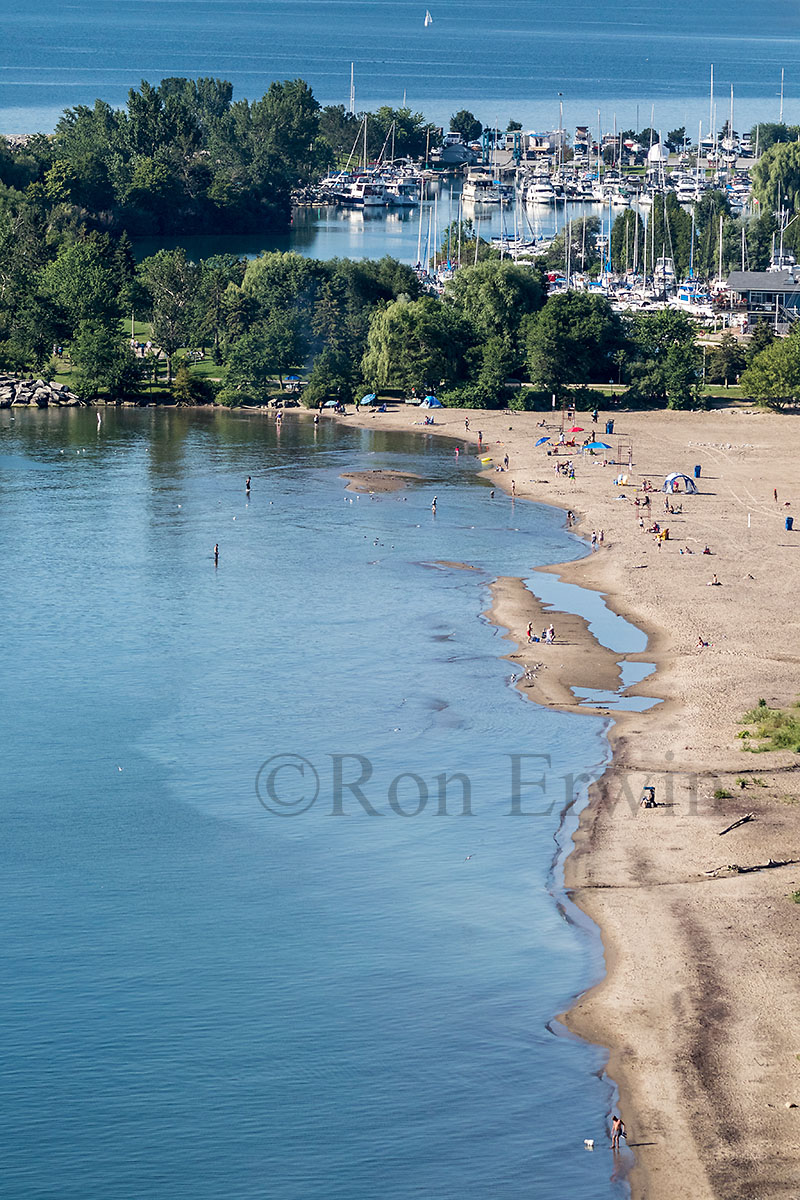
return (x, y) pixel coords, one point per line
(541, 441)
(368, 399)
(597, 446)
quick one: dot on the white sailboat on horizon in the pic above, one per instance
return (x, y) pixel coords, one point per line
(428, 18)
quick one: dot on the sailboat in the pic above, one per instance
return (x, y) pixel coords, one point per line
(428, 18)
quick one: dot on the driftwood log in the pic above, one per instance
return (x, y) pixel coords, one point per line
(737, 870)
(736, 824)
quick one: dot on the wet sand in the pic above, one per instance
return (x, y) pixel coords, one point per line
(378, 481)
(699, 1005)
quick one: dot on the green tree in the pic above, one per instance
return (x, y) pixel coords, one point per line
(217, 273)
(417, 344)
(497, 296)
(169, 280)
(627, 241)
(334, 376)
(770, 133)
(773, 377)
(267, 350)
(761, 338)
(671, 231)
(776, 178)
(676, 138)
(727, 361)
(82, 284)
(467, 124)
(572, 340)
(104, 363)
(408, 130)
(581, 236)
(665, 367)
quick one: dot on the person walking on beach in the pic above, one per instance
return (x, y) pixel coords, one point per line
(617, 1131)
(513, 488)
(775, 494)
(466, 424)
(594, 540)
(480, 439)
(505, 462)
(529, 631)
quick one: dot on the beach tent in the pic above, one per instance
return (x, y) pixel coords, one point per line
(371, 398)
(689, 485)
(431, 402)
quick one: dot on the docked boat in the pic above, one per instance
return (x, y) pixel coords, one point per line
(480, 187)
(364, 193)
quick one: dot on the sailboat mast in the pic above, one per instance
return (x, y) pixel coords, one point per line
(352, 89)
(780, 118)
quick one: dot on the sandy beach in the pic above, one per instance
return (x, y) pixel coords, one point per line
(699, 1005)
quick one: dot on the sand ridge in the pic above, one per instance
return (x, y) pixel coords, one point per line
(699, 1006)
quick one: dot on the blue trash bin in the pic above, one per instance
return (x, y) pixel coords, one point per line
(789, 524)
(697, 471)
(609, 426)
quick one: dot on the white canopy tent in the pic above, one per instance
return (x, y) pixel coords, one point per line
(689, 485)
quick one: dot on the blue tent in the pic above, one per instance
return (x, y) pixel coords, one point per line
(542, 441)
(371, 398)
(431, 402)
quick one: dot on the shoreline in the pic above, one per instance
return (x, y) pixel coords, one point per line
(698, 1004)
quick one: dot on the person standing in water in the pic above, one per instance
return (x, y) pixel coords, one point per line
(247, 484)
(433, 505)
(216, 553)
(617, 1131)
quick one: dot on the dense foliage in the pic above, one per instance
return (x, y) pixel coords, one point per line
(186, 157)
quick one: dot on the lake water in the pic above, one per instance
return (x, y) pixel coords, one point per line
(214, 983)
(409, 236)
(500, 61)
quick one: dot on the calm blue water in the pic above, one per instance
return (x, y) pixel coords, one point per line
(409, 236)
(500, 61)
(200, 998)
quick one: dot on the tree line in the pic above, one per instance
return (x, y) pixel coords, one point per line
(186, 157)
(347, 326)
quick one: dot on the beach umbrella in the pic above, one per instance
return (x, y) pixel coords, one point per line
(576, 429)
(597, 446)
(292, 378)
(330, 404)
(542, 441)
(370, 398)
